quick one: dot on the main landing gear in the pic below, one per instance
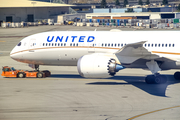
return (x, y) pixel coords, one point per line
(40, 73)
(156, 78)
(160, 79)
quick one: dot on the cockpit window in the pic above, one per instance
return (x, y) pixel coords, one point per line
(19, 44)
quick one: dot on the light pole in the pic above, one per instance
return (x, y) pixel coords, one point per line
(33, 8)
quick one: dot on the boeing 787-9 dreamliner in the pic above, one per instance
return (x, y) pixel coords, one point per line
(100, 54)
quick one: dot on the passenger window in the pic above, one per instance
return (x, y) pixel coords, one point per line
(77, 44)
(121, 45)
(64, 44)
(115, 45)
(166, 45)
(71, 44)
(118, 45)
(55, 44)
(52, 44)
(145, 45)
(152, 45)
(74, 44)
(49, 44)
(173, 45)
(108, 44)
(148, 45)
(159, 45)
(169, 45)
(105, 44)
(58, 44)
(111, 45)
(43, 44)
(162, 45)
(102, 45)
(61, 44)
(155, 45)
(46, 44)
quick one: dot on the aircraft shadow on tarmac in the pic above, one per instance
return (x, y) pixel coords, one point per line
(137, 81)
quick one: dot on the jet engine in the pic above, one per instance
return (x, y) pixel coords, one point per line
(98, 66)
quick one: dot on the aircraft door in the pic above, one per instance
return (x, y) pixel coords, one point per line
(32, 43)
(92, 46)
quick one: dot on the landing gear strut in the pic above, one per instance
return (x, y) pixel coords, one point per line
(36, 67)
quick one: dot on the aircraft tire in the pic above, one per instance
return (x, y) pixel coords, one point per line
(47, 73)
(150, 79)
(177, 75)
(39, 75)
(21, 75)
(164, 79)
(158, 79)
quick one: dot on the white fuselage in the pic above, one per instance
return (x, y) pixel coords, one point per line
(65, 48)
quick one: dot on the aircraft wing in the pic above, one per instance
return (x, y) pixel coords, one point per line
(132, 52)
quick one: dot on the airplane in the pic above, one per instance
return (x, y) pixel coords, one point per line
(101, 54)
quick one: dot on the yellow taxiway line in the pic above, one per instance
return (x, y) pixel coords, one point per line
(2, 41)
(152, 112)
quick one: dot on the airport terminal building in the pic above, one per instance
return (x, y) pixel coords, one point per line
(29, 11)
(142, 15)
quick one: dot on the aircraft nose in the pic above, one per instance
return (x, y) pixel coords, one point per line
(13, 54)
(16, 56)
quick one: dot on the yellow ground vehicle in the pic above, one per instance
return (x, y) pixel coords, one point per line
(11, 72)
(70, 22)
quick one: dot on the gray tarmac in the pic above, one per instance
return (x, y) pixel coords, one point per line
(67, 96)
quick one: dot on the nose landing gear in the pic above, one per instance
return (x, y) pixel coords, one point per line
(46, 72)
(36, 67)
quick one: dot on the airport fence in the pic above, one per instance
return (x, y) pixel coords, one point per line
(18, 25)
(26, 24)
(136, 23)
(141, 23)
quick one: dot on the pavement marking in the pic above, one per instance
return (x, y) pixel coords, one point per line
(2, 41)
(152, 112)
